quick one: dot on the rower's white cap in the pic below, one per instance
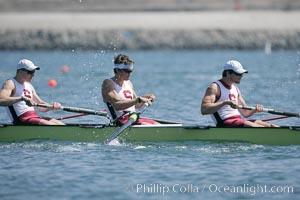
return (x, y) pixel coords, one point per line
(27, 64)
(235, 66)
(123, 66)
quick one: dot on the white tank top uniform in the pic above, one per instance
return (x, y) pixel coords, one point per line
(226, 111)
(19, 108)
(125, 92)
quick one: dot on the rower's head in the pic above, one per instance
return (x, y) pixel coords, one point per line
(26, 69)
(234, 67)
(27, 65)
(122, 63)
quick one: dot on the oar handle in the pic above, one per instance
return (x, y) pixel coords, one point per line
(141, 110)
(44, 105)
(271, 111)
(253, 108)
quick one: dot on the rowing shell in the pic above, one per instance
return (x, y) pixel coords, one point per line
(153, 133)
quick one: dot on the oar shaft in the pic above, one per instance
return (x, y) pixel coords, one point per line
(113, 136)
(44, 105)
(272, 111)
(133, 118)
(71, 116)
(270, 119)
(284, 113)
(253, 108)
(75, 109)
(84, 110)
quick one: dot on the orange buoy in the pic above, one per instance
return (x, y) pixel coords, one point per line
(65, 69)
(52, 83)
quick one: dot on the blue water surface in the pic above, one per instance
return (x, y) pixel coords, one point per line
(163, 170)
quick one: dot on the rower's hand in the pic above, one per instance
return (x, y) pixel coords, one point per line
(146, 100)
(232, 103)
(259, 108)
(28, 101)
(56, 106)
(151, 97)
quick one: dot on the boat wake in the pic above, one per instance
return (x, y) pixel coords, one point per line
(115, 142)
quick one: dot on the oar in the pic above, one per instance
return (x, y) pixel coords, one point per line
(71, 116)
(272, 111)
(133, 118)
(270, 119)
(76, 110)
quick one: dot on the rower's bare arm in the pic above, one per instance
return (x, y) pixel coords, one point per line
(36, 98)
(109, 95)
(244, 112)
(6, 92)
(208, 105)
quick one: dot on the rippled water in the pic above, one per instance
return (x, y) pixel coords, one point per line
(65, 170)
(163, 170)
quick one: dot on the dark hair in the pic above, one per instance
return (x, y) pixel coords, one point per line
(121, 58)
(230, 71)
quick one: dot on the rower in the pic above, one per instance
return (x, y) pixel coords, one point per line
(19, 96)
(119, 96)
(223, 98)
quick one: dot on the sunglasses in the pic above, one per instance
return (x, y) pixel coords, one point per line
(29, 72)
(127, 71)
(237, 74)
